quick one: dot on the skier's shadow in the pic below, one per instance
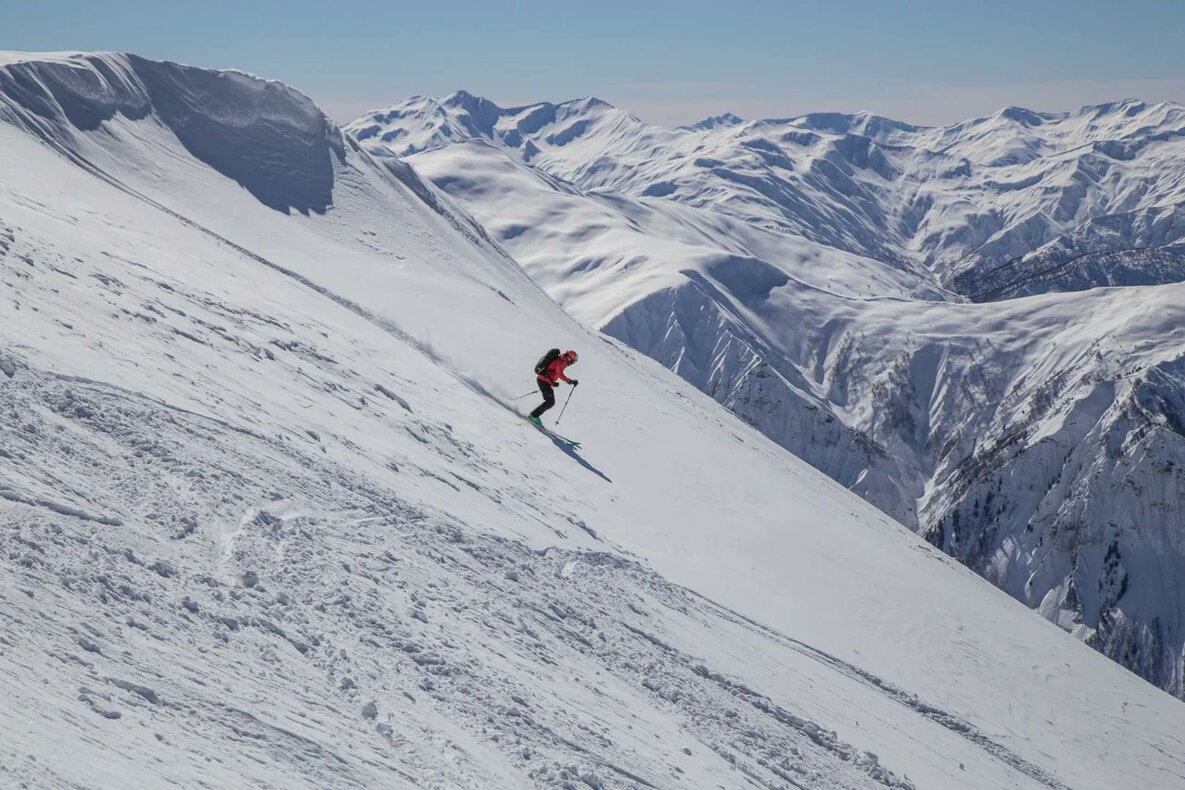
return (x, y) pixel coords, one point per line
(571, 453)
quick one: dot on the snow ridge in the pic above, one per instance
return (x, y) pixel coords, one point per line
(60, 99)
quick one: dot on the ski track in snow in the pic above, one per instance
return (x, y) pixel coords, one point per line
(115, 606)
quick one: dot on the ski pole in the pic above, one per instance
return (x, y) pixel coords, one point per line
(570, 393)
(525, 394)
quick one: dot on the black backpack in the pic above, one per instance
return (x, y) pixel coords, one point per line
(545, 360)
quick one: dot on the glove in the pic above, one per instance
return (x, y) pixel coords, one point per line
(575, 382)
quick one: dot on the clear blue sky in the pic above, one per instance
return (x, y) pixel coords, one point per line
(669, 62)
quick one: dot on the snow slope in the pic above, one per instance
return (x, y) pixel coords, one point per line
(1039, 440)
(270, 519)
(676, 282)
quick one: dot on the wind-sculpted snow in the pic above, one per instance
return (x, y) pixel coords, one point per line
(266, 136)
(270, 520)
(943, 414)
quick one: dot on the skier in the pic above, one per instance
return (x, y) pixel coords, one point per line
(549, 373)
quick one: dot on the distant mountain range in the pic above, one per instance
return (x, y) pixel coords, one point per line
(850, 285)
(993, 207)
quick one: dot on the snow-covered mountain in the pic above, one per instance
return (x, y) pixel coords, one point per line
(1040, 440)
(270, 518)
(998, 206)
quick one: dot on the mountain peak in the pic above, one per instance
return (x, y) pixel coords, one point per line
(462, 97)
(591, 101)
(1128, 107)
(581, 105)
(465, 99)
(714, 122)
(863, 122)
(1022, 116)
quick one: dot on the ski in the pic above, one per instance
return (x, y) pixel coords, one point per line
(575, 445)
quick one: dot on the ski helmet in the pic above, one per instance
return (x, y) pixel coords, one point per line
(571, 355)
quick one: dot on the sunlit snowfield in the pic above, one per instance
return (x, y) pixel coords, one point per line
(272, 518)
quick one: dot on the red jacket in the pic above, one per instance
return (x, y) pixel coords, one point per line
(555, 371)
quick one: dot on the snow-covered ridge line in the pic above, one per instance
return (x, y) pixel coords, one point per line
(60, 98)
(956, 200)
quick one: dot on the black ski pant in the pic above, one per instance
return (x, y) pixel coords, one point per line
(548, 397)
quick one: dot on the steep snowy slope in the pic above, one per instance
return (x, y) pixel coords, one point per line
(1012, 194)
(269, 520)
(1038, 440)
(664, 278)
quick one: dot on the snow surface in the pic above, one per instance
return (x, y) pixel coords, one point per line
(1039, 440)
(271, 519)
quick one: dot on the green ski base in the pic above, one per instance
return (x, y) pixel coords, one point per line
(575, 445)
